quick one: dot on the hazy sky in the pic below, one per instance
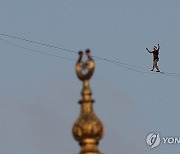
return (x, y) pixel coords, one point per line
(39, 94)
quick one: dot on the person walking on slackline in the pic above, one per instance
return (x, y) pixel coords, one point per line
(155, 53)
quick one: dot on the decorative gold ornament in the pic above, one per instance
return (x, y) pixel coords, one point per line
(87, 129)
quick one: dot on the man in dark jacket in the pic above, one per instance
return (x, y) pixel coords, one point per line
(155, 57)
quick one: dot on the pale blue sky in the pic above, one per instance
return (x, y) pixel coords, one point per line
(39, 93)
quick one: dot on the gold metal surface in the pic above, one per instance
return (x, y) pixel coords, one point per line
(87, 129)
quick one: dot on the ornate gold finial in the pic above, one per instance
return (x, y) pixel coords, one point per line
(87, 129)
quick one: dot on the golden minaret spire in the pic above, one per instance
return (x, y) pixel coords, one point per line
(87, 129)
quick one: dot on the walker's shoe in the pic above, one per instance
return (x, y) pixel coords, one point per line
(157, 71)
(152, 70)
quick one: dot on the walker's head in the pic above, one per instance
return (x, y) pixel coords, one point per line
(155, 47)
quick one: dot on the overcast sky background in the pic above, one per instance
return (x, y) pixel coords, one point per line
(39, 94)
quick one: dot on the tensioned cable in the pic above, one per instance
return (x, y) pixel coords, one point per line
(127, 66)
(40, 52)
(36, 51)
(113, 62)
(39, 43)
(152, 73)
(172, 73)
(59, 48)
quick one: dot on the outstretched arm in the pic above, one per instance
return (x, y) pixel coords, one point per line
(158, 46)
(149, 50)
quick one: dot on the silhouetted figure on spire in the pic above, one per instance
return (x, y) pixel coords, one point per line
(155, 57)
